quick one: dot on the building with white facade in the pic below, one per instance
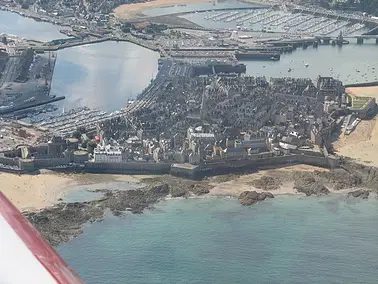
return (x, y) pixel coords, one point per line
(107, 154)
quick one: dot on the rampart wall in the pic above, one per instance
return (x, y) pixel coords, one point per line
(248, 165)
(9, 161)
(128, 167)
(48, 163)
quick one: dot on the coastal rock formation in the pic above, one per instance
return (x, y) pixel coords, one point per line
(368, 174)
(161, 189)
(361, 193)
(308, 185)
(251, 197)
(199, 189)
(340, 178)
(178, 192)
(179, 187)
(64, 221)
(314, 189)
(267, 183)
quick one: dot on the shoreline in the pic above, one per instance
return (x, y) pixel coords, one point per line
(44, 190)
(56, 224)
(36, 192)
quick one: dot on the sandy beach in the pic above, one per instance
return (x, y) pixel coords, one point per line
(30, 192)
(243, 183)
(362, 143)
(132, 11)
(363, 91)
(33, 192)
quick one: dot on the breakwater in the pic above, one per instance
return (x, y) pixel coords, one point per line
(366, 84)
(31, 105)
(55, 46)
(134, 168)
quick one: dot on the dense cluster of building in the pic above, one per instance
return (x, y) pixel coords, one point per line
(56, 152)
(206, 119)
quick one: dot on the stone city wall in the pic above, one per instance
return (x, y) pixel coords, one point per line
(128, 167)
(248, 165)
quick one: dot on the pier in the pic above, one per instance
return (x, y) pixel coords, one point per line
(55, 46)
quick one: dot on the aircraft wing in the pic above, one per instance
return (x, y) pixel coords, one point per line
(25, 256)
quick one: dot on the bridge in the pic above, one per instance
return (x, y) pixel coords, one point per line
(359, 38)
(62, 44)
(316, 40)
(58, 44)
(336, 15)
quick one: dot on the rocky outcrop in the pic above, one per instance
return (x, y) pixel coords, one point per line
(160, 189)
(64, 221)
(315, 189)
(340, 178)
(308, 185)
(368, 174)
(251, 197)
(267, 183)
(199, 189)
(361, 193)
(179, 187)
(178, 192)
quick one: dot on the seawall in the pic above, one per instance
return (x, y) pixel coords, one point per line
(254, 164)
(367, 84)
(247, 164)
(134, 168)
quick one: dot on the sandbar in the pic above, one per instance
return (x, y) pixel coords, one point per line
(132, 11)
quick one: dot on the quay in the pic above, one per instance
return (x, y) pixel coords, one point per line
(40, 102)
(67, 43)
(274, 46)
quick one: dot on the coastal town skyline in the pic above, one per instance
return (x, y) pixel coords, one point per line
(114, 108)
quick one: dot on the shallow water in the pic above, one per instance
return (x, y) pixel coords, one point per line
(289, 239)
(351, 63)
(14, 24)
(220, 4)
(104, 75)
(82, 193)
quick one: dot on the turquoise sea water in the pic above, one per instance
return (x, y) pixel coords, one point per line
(286, 240)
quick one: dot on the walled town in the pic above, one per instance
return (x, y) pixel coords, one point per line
(195, 124)
(201, 115)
